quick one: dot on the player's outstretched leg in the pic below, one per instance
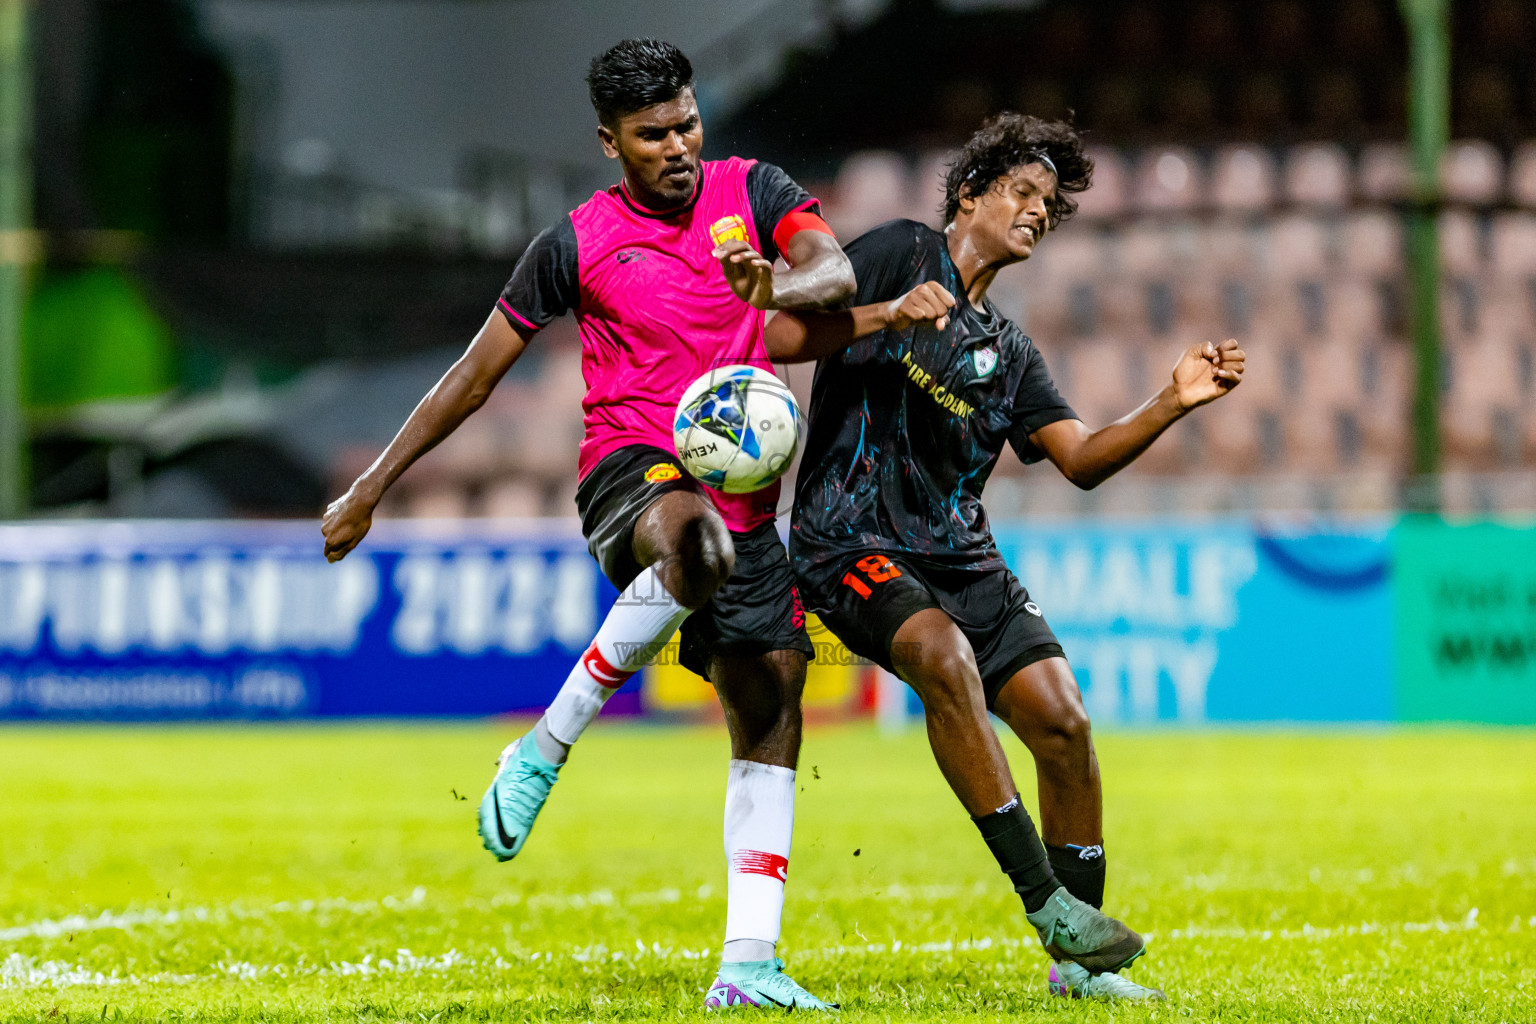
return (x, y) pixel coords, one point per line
(761, 698)
(1041, 703)
(687, 553)
(930, 653)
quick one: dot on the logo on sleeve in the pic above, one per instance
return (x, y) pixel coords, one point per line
(661, 472)
(985, 360)
(729, 229)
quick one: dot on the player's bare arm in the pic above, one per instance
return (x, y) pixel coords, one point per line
(801, 337)
(1089, 457)
(819, 273)
(462, 390)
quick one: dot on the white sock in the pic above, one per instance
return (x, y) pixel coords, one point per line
(643, 619)
(759, 822)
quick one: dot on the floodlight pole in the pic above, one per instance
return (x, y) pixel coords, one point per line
(15, 244)
(1429, 120)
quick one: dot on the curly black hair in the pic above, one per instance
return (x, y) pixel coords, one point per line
(635, 74)
(1009, 141)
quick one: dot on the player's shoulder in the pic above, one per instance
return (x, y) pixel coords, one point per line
(731, 168)
(558, 239)
(893, 233)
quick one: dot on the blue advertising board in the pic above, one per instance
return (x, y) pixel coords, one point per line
(207, 620)
(1217, 621)
(1222, 621)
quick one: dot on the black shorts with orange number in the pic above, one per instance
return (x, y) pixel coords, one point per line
(879, 592)
(758, 610)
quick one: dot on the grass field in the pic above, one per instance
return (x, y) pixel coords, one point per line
(333, 873)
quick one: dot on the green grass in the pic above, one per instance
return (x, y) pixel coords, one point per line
(274, 874)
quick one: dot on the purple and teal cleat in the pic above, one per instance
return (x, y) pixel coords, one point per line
(1068, 979)
(761, 983)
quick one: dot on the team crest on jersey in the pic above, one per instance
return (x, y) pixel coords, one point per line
(729, 229)
(985, 359)
(662, 471)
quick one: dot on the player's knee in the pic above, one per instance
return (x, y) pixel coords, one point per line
(1067, 736)
(949, 682)
(704, 561)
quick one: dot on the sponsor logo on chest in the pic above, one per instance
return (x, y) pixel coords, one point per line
(730, 228)
(946, 399)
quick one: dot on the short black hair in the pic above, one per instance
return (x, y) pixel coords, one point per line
(1009, 141)
(636, 74)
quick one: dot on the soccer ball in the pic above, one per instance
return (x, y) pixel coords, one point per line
(737, 429)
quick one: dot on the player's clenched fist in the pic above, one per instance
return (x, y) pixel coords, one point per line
(1206, 372)
(929, 302)
(346, 522)
(748, 272)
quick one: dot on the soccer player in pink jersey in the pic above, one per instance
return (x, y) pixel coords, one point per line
(668, 273)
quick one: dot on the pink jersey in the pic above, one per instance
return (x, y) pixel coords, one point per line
(653, 307)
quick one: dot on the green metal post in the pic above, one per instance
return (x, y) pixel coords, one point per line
(15, 246)
(1429, 120)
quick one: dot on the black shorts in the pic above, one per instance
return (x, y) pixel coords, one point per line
(758, 610)
(878, 592)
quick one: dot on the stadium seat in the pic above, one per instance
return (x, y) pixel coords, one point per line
(513, 498)
(1108, 196)
(1070, 253)
(1229, 436)
(1317, 174)
(1522, 175)
(439, 502)
(1460, 243)
(1512, 244)
(1507, 302)
(925, 200)
(1226, 246)
(1482, 401)
(1371, 244)
(1353, 310)
(1298, 247)
(1098, 391)
(1243, 179)
(1472, 171)
(1384, 172)
(1168, 178)
(871, 188)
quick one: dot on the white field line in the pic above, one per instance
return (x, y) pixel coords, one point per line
(18, 971)
(122, 921)
(54, 928)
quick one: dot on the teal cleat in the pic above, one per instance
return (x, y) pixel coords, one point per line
(1070, 979)
(759, 983)
(517, 794)
(1073, 930)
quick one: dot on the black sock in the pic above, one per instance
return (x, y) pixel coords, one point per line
(1081, 870)
(1011, 836)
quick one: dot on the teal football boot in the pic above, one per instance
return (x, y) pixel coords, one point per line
(760, 983)
(517, 794)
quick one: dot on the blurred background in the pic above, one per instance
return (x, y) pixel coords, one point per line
(241, 238)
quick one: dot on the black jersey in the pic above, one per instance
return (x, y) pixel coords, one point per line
(905, 426)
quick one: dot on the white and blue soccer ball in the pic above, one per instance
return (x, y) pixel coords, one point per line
(737, 429)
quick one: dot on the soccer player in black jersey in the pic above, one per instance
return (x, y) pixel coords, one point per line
(919, 387)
